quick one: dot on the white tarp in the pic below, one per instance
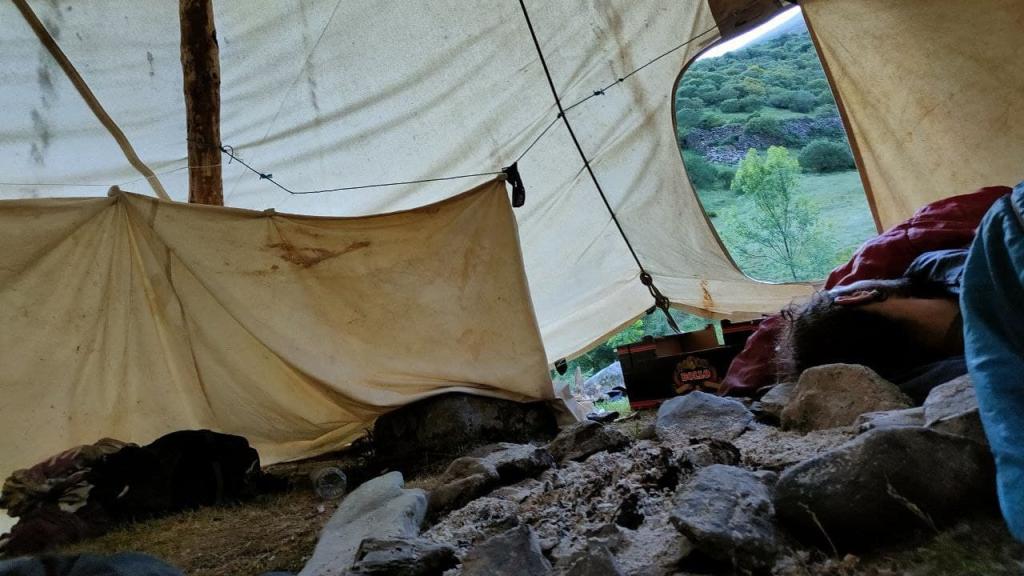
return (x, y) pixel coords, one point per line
(129, 317)
(331, 93)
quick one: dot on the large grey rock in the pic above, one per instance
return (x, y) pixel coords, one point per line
(890, 419)
(834, 395)
(702, 415)
(578, 441)
(884, 485)
(513, 553)
(595, 560)
(380, 508)
(953, 408)
(403, 557)
(603, 380)
(727, 514)
(449, 425)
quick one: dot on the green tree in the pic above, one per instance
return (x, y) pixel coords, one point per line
(784, 230)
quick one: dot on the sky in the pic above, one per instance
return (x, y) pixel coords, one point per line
(746, 38)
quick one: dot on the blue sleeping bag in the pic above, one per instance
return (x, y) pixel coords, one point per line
(992, 302)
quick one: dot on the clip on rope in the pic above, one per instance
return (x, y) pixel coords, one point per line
(516, 182)
(660, 300)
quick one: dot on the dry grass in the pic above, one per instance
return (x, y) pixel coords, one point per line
(276, 532)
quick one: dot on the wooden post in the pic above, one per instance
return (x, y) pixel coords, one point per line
(200, 64)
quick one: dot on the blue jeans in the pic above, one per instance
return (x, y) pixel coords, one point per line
(992, 303)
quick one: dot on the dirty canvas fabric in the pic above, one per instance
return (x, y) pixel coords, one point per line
(933, 91)
(129, 317)
(329, 94)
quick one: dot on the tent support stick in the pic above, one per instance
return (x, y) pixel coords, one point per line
(200, 65)
(90, 99)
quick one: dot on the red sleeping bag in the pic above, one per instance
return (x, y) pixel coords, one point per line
(945, 224)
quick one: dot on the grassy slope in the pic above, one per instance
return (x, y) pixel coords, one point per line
(840, 197)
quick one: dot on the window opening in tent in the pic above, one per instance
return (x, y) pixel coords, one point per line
(598, 368)
(765, 149)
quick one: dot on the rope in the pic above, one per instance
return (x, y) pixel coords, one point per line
(270, 178)
(659, 299)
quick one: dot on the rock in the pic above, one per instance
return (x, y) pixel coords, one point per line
(515, 462)
(883, 485)
(890, 419)
(702, 415)
(513, 553)
(596, 560)
(703, 452)
(474, 522)
(380, 508)
(581, 440)
(520, 491)
(603, 380)
(470, 477)
(403, 557)
(457, 493)
(953, 408)
(727, 514)
(769, 407)
(834, 395)
(452, 424)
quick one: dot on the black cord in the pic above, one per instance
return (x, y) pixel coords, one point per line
(645, 278)
(270, 178)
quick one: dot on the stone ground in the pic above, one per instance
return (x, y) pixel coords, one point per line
(567, 506)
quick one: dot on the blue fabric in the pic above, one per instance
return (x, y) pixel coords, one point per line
(938, 270)
(992, 303)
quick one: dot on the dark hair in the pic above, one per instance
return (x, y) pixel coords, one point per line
(822, 332)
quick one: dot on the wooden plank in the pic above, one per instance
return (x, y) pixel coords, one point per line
(200, 65)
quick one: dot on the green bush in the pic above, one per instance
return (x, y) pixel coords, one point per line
(686, 103)
(725, 175)
(825, 156)
(711, 120)
(702, 173)
(687, 120)
(745, 104)
(802, 101)
(767, 126)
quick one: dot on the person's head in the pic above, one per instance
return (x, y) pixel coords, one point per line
(878, 324)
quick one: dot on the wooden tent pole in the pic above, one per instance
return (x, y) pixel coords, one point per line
(200, 64)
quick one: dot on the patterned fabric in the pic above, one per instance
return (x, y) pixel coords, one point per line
(60, 480)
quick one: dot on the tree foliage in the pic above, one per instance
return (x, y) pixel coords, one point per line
(785, 230)
(826, 156)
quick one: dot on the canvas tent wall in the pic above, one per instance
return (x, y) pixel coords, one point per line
(328, 94)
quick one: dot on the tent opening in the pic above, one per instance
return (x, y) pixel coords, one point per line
(765, 149)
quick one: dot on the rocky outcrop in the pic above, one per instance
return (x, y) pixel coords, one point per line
(835, 395)
(578, 441)
(884, 485)
(727, 514)
(702, 415)
(450, 425)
